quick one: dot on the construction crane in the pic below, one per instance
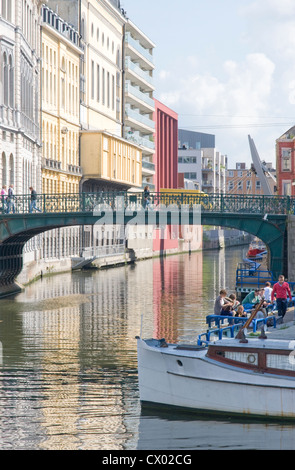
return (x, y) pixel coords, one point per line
(261, 169)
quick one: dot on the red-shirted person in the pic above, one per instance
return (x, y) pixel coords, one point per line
(281, 290)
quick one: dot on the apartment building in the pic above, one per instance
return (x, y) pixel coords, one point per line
(190, 166)
(139, 105)
(242, 180)
(285, 163)
(202, 164)
(20, 140)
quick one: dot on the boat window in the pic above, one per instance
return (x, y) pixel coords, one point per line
(179, 362)
(279, 361)
(246, 357)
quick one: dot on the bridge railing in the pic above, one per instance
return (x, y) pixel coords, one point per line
(87, 202)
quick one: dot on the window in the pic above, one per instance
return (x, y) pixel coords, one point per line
(97, 83)
(92, 80)
(108, 89)
(230, 173)
(286, 159)
(230, 185)
(240, 185)
(103, 86)
(286, 188)
(4, 169)
(113, 92)
(258, 184)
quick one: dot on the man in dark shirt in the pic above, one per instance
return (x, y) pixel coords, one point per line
(33, 200)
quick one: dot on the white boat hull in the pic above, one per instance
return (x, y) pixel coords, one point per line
(189, 379)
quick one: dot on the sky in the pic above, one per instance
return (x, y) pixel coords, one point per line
(226, 67)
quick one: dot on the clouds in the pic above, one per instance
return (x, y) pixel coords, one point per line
(234, 96)
(226, 68)
(243, 90)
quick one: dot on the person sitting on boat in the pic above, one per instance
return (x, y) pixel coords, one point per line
(281, 290)
(251, 299)
(221, 303)
(232, 298)
(240, 311)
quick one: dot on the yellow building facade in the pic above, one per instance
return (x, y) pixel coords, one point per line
(112, 160)
(108, 161)
(61, 171)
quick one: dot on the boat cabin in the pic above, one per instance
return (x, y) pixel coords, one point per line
(263, 356)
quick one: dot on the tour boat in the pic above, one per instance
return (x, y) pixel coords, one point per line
(256, 251)
(249, 377)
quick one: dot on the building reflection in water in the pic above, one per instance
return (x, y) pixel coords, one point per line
(177, 288)
(69, 374)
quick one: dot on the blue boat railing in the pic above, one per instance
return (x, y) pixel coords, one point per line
(245, 277)
(233, 329)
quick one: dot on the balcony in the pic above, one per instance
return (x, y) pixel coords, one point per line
(207, 168)
(138, 120)
(148, 168)
(137, 51)
(151, 186)
(207, 183)
(141, 76)
(77, 170)
(138, 98)
(51, 164)
(148, 165)
(139, 140)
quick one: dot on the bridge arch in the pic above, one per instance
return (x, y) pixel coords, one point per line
(270, 229)
(17, 229)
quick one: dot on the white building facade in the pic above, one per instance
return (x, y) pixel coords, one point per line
(139, 126)
(20, 138)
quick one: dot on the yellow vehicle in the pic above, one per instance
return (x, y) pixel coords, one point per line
(184, 196)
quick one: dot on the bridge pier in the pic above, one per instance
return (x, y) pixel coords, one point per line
(11, 263)
(10, 289)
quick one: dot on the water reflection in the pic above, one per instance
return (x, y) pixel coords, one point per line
(158, 431)
(68, 378)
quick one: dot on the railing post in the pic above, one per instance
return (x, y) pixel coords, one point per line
(222, 203)
(83, 201)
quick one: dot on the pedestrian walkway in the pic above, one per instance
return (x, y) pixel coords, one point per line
(284, 330)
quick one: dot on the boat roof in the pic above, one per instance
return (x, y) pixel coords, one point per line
(256, 343)
(192, 350)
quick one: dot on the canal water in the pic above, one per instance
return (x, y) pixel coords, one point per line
(68, 364)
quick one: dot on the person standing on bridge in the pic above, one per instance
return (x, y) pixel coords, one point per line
(146, 197)
(10, 200)
(4, 198)
(281, 290)
(33, 200)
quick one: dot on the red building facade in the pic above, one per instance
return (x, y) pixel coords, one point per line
(166, 147)
(285, 163)
(166, 168)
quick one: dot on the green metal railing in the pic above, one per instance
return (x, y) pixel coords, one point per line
(87, 202)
